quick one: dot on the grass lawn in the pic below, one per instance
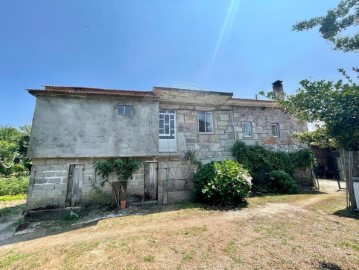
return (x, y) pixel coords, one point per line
(305, 231)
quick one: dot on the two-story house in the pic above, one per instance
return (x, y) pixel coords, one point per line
(74, 127)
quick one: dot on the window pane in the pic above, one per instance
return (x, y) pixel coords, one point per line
(128, 109)
(246, 129)
(120, 109)
(275, 130)
(167, 119)
(172, 124)
(209, 122)
(162, 123)
(201, 122)
(167, 129)
(162, 131)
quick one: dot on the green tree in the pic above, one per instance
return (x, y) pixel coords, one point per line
(333, 103)
(337, 25)
(13, 149)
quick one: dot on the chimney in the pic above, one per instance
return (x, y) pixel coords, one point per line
(278, 89)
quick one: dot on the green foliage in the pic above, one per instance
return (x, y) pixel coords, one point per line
(13, 185)
(190, 155)
(334, 104)
(282, 182)
(337, 26)
(318, 137)
(123, 167)
(260, 162)
(225, 182)
(13, 148)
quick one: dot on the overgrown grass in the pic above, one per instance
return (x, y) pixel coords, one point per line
(16, 197)
(14, 185)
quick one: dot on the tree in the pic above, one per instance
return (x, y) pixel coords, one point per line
(335, 24)
(13, 149)
(334, 104)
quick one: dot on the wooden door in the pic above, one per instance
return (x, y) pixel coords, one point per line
(74, 185)
(150, 181)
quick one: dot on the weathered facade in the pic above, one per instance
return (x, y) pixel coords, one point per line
(75, 127)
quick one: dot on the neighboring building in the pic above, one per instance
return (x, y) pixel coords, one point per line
(73, 127)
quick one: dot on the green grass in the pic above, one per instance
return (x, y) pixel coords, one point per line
(148, 258)
(9, 260)
(16, 197)
(353, 245)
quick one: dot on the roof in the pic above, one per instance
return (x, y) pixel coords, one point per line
(74, 90)
(193, 91)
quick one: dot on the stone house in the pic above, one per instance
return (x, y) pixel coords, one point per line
(74, 127)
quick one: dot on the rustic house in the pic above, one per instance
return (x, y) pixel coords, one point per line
(73, 127)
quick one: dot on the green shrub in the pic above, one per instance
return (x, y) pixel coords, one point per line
(260, 162)
(13, 185)
(282, 182)
(225, 182)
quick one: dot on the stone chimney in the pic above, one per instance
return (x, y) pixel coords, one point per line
(278, 89)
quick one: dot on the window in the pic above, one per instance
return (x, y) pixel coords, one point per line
(167, 124)
(124, 109)
(247, 129)
(205, 122)
(275, 130)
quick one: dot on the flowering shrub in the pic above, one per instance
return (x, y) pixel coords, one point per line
(226, 182)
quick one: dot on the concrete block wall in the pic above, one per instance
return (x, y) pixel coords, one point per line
(49, 179)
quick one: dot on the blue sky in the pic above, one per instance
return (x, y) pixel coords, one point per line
(238, 46)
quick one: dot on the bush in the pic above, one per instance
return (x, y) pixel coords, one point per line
(225, 182)
(13, 185)
(260, 162)
(282, 182)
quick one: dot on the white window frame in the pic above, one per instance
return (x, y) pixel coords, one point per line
(169, 122)
(271, 127)
(121, 109)
(205, 122)
(250, 129)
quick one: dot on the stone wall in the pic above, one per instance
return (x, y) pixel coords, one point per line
(227, 128)
(174, 179)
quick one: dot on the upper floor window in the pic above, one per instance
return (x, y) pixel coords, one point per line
(124, 109)
(247, 129)
(205, 122)
(275, 130)
(167, 124)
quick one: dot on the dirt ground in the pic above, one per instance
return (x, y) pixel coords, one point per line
(303, 231)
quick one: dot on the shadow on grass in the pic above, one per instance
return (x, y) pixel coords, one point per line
(11, 211)
(328, 266)
(347, 213)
